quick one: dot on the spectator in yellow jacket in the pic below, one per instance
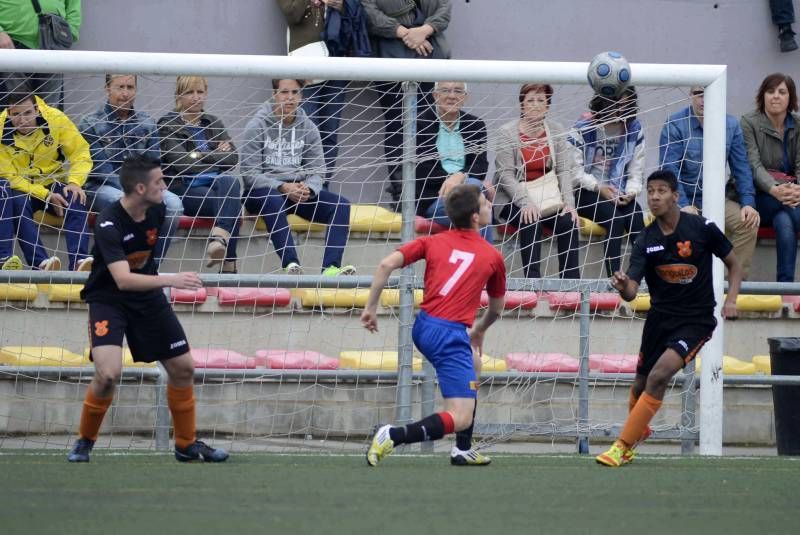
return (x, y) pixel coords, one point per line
(44, 162)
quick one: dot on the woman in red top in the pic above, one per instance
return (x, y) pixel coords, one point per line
(527, 149)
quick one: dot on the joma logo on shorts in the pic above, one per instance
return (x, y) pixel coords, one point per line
(179, 343)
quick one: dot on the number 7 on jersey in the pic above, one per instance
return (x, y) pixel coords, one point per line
(465, 260)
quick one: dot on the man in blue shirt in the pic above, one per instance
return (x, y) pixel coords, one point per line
(681, 151)
(117, 131)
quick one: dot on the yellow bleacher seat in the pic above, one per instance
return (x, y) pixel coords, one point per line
(759, 303)
(18, 292)
(127, 359)
(391, 298)
(62, 293)
(373, 360)
(40, 356)
(47, 219)
(731, 366)
(641, 303)
(491, 364)
(363, 218)
(762, 364)
(335, 297)
(371, 218)
(590, 229)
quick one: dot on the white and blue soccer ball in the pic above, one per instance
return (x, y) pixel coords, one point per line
(609, 74)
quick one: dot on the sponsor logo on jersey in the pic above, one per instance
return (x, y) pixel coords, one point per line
(677, 273)
(101, 328)
(128, 237)
(177, 344)
(105, 224)
(152, 236)
(654, 249)
(138, 259)
(684, 249)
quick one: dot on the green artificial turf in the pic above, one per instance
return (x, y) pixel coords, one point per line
(149, 494)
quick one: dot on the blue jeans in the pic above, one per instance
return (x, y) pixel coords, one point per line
(437, 213)
(18, 209)
(786, 222)
(323, 104)
(220, 200)
(103, 195)
(782, 12)
(327, 208)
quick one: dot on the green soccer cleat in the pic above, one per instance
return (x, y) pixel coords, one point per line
(380, 447)
(469, 457)
(333, 271)
(10, 263)
(613, 457)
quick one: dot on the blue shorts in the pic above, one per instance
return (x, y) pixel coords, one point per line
(446, 346)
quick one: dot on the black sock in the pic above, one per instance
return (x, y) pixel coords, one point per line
(429, 428)
(464, 438)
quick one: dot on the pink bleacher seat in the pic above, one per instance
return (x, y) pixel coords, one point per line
(188, 296)
(281, 359)
(516, 299)
(768, 233)
(251, 296)
(188, 222)
(542, 362)
(613, 363)
(509, 230)
(426, 226)
(572, 301)
(793, 301)
(221, 359)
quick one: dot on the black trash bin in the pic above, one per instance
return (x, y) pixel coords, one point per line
(784, 356)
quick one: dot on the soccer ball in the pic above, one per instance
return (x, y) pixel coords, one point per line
(609, 74)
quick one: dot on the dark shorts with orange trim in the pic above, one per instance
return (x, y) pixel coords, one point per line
(685, 334)
(153, 332)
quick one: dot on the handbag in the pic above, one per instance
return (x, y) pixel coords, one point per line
(317, 49)
(54, 30)
(544, 192)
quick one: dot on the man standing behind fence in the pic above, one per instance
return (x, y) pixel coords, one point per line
(674, 255)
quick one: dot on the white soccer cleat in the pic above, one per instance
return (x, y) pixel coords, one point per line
(469, 457)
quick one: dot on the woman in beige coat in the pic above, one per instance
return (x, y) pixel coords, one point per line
(527, 149)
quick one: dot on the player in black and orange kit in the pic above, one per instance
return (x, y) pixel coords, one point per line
(674, 255)
(125, 297)
(458, 264)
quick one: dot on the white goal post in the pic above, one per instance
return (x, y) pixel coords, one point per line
(712, 77)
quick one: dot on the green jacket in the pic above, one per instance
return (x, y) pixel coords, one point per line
(765, 147)
(18, 18)
(305, 22)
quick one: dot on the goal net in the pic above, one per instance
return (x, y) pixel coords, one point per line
(282, 362)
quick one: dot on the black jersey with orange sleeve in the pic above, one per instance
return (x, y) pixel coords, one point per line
(118, 237)
(677, 267)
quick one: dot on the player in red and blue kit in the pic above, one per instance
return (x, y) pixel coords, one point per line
(459, 264)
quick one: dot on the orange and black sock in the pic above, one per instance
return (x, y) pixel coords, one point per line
(181, 405)
(92, 414)
(432, 427)
(639, 419)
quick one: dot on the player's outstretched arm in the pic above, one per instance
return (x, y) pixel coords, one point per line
(480, 327)
(136, 282)
(734, 283)
(369, 318)
(626, 286)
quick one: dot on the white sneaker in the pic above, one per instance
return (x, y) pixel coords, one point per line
(84, 264)
(470, 457)
(51, 264)
(293, 269)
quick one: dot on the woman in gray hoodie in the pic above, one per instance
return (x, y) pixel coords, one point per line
(282, 168)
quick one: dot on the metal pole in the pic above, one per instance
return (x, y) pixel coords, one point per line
(688, 411)
(714, 209)
(162, 411)
(583, 375)
(406, 313)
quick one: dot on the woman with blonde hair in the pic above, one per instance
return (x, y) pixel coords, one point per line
(198, 157)
(530, 149)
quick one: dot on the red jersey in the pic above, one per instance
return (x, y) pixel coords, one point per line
(459, 264)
